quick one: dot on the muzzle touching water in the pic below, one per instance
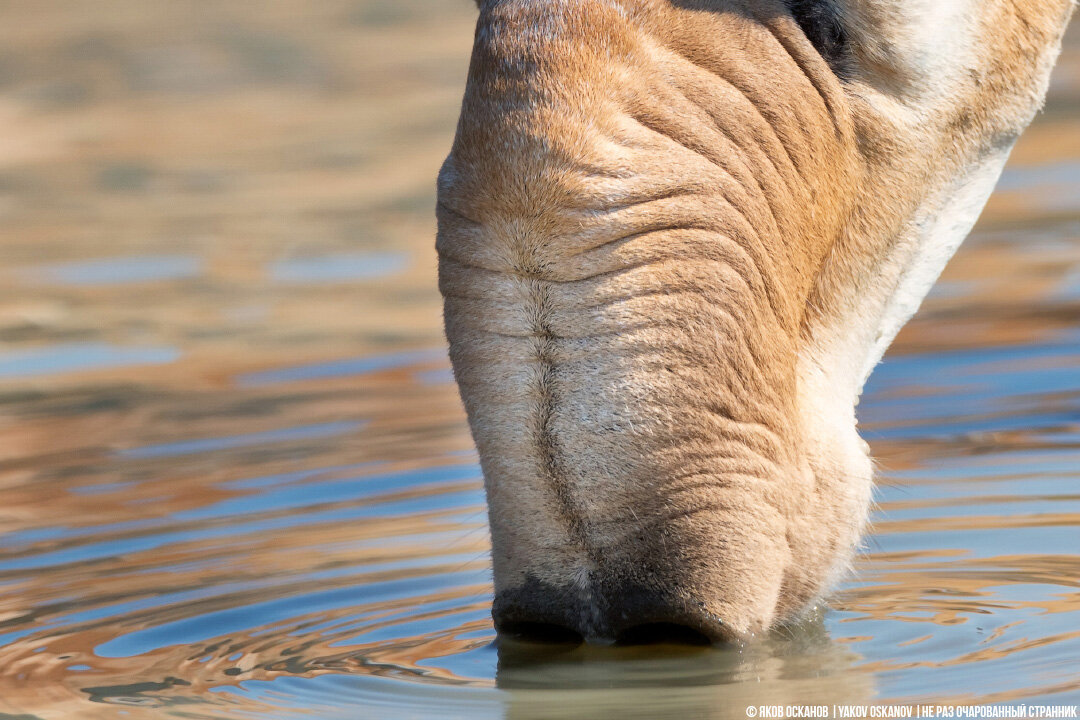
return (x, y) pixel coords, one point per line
(623, 300)
(618, 613)
(673, 240)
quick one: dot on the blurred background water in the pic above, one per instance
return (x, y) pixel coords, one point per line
(235, 476)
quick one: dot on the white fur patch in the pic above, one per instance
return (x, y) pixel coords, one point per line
(941, 225)
(924, 42)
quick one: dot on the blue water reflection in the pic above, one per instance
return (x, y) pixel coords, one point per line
(78, 357)
(118, 270)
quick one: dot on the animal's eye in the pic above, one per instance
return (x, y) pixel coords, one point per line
(822, 21)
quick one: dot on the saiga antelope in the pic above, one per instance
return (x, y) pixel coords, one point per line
(675, 236)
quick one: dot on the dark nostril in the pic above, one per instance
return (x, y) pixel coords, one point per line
(541, 632)
(662, 632)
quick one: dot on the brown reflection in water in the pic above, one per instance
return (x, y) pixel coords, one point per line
(239, 141)
(798, 665)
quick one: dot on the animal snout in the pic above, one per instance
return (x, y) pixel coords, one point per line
(621, 613)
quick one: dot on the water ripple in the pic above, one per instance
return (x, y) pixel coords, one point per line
(237, 480)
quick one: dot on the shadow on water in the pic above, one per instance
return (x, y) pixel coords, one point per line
(235, 476)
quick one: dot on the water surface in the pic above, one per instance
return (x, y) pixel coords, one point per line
(235, 476)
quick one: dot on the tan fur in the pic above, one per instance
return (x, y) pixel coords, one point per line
(672, 241)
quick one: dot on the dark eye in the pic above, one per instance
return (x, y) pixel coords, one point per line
(821, 20)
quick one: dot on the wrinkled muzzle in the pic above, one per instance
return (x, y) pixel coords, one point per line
(629, 228)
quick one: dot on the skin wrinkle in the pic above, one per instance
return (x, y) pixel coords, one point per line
(626, 330)
(741, 341)
(841, 121)
(820, 20)
(794, 168)
(443, 206)
(716, 157)
(747, 243)
(749, 97)
(697, 463)
(702, 149)
(645, 203)
(613, 273)
(741, 161)
(763, 267)
(652, 226)
(670, 238)
(754, 284)
(742, 146)
(678, 287)
(661, 521)
(729, 73)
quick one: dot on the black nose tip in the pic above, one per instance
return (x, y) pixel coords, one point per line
(626, 614)
(540, 632)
